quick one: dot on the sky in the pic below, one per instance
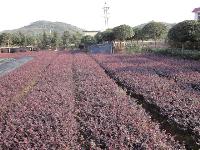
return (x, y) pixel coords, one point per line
(88, 14)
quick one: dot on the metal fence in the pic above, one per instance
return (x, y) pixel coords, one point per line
(101, 48)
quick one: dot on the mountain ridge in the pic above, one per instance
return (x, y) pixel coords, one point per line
(40, 26)
(169, 25)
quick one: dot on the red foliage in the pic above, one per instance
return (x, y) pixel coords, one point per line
(15, 82)
(44, 118)
(65, 101)
(108, 119)
(17, 55)
(170, 84)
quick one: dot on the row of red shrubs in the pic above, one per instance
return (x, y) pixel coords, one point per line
(44, 117)
(107, 118)
(72, 104)
(171, 85)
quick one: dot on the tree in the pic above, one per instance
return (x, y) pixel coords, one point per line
(6, 39)
(66, 39)
(123, 32)
(88, 40)
(105, 36)
(19, 39)
(30, 40)
(99, 37)
(186, 31)
(55, 40)
(154, 30)
(45, 41)
(15, 39)
(138, 34)
(22, 38)
(108, 35)
(76, 39)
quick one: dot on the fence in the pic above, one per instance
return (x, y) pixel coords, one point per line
(15, 49)
(101, 48)
(120, 47)
(149, 44)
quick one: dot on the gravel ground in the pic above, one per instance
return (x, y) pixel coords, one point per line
(8, 65)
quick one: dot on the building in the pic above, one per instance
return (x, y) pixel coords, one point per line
(196, 11)
(91, 33)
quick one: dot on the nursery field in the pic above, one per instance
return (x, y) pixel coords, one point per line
(67, 100)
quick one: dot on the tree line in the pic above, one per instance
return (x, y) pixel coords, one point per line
(185, 34)
(43, 41)
(152, 30)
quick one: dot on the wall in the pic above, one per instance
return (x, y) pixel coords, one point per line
(196, 15)
(101, 48)
(91, 33)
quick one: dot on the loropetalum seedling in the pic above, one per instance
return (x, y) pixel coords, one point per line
(171, 84)
(107, 118)
(45, 117)
(61, 100)
(15, 83)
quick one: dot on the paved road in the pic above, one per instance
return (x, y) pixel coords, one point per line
(9, 66)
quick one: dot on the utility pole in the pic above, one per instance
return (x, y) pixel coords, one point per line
(106, 14)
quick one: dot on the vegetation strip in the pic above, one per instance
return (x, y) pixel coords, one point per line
(45, 118)
(108, 120)
(186, 136)
(20, 96)
(18, 83)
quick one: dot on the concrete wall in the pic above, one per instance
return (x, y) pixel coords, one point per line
(196, 15)
(91, 33)
(101, 48)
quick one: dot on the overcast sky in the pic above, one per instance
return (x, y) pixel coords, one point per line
(88, 14)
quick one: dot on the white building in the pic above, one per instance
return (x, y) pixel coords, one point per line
(91, 33)
(197, 13)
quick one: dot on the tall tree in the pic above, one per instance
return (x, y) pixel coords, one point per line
(154, 30)
(45, 41)
(108, 35)
(123, 32)
(55, 40)
(88, 40)
(15, 39)
(76, 39)
(30, 40)
(6, 39)
(99, 37)
(22, 38)
(138, 34)
(186, 31)
(66, 39)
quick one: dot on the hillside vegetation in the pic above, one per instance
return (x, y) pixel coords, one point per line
(39, 27)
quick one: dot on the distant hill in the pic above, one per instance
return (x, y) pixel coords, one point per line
(169, 25)
(39, 27)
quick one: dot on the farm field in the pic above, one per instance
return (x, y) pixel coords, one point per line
(169, 86)
(66, 100)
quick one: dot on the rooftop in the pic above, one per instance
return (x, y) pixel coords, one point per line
(196, 10)
(91, 31)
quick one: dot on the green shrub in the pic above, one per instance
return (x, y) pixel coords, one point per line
(185, 34)
(134, 48)
(88, 40)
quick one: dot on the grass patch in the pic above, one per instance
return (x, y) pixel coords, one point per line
(185, 54)
(134, 48)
